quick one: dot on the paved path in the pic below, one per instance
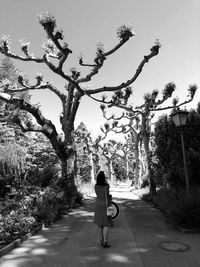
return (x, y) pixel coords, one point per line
(136, 236)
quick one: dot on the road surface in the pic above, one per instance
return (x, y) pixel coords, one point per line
(136, 240)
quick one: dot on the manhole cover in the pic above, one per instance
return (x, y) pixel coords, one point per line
(174, 246)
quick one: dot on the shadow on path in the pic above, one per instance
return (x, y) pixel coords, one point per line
(150, 229)
(74, 241)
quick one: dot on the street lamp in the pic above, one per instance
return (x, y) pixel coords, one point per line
(179, 118)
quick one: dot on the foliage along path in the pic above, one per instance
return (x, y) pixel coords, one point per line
(74, 241)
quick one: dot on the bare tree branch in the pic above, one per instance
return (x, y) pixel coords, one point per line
(25, 127)
(98, 100)
(154, 52)
(27, 87)
(5, 49)
(99, 60)
(47, 125)
(192, 90)
(12, 55)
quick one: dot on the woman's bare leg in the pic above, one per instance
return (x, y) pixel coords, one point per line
(101, 233)
(105, 233)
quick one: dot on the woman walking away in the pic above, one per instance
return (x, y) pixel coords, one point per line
(100, 214)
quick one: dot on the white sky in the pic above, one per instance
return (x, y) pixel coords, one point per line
(175, 23)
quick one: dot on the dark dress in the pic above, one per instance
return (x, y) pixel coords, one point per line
(100, 216)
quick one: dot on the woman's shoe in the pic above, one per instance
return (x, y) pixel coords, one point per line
(105, 245)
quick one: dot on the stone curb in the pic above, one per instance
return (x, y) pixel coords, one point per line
(19, 241)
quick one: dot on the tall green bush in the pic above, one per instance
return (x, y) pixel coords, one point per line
(181, 209)
(169, 150)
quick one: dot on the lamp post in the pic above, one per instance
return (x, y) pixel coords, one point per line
(179, 118)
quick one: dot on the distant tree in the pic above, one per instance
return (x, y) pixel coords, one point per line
(119, 169)
(8, 71)
(56, 51)
(138, 119)
(109, 152)
(133, 128)
(124, 152)
(84, 151)
(97, 154)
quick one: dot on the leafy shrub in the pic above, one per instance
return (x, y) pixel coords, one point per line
(15, 225)
(43, 177)
(27, 209)
(166, 200)
(182, 210)
(4, 186)
(186, 213)
(147, 197)
(78, 198)
(50, 205)
(119, 170)
(7, 206)
(85, 173)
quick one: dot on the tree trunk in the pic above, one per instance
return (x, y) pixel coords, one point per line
(141, 166)
(112, 172)
(68, 165)
(68, 181)
(152, 185)
(146, 150)
(92, 168)
(110, 169)
(127, 169)
(97, 164)
(136, 178)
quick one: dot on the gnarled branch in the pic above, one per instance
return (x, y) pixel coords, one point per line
(99, 60)
(154, 52)
(46, 124)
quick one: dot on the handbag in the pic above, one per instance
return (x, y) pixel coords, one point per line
(109, 209)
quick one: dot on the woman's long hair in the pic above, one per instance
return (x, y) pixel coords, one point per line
(101, 178)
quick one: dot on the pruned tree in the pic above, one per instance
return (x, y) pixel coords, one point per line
(56, 53)
(142, 116)
(126, 125)
(125, 151)
(97, 154)
(85, 147)
(109, 152)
